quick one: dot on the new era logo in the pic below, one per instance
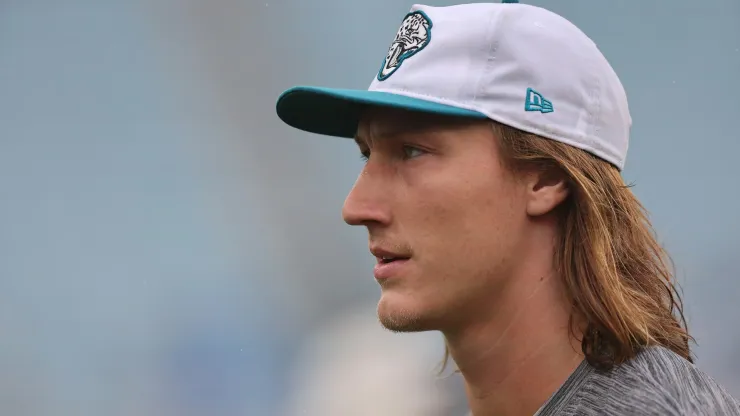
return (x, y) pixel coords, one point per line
(536, 102)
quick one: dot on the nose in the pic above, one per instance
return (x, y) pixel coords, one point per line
(368, 202)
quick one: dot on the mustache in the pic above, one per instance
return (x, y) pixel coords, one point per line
(391, 245)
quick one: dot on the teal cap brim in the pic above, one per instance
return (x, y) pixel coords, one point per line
(337, 112)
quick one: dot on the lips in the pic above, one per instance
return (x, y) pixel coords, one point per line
(389, 263)
(386, 260)
(388, 256)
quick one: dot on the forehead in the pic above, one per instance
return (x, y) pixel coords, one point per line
(386, 122)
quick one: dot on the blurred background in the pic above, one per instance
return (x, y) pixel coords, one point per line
(169, 247)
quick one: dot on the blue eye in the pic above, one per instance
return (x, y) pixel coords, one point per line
(411, 152)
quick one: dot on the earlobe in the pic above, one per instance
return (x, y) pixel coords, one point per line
(547, 191)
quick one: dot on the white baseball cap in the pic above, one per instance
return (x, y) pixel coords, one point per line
(517, 64)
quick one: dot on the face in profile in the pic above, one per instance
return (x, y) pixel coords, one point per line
(443, 214)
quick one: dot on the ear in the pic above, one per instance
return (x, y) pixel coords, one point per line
(546, 189)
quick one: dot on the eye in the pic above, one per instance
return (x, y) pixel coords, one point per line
(411, 152)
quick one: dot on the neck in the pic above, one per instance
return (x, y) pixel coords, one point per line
(520, 352)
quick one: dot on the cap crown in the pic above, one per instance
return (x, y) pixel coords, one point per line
(520, 65)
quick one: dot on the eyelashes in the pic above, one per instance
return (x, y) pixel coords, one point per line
(407, 152)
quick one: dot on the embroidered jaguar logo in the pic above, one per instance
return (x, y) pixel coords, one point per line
(412, 37)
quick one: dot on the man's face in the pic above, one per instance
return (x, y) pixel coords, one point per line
(440, 205)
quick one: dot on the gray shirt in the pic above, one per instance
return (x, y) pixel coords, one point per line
(656, 382)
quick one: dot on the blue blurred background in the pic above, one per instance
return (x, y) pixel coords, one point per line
(168, 247)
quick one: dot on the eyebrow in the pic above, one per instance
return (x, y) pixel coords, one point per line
(398, 130)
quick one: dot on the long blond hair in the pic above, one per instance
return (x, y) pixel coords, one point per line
(615, 273)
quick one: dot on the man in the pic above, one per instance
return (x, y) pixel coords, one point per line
(495, 135)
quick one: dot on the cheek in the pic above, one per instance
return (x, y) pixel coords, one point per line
(467, 219)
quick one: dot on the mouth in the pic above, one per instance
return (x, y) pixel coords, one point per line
(387, 260)
(389, 264)
(384, 256)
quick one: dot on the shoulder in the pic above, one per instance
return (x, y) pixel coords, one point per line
(666, 371)
(658, 381)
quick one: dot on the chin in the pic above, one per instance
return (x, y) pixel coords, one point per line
(398, 313)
